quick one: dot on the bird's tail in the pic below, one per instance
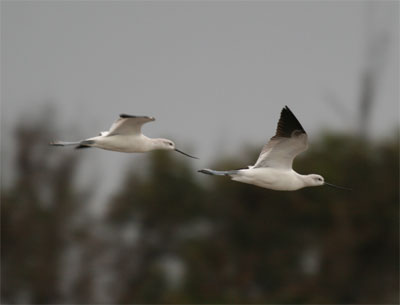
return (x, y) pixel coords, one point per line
(80, 144)
(217, 173)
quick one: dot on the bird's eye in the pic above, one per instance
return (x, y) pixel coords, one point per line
(170, 144)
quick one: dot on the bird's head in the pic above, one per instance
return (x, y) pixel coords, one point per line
(166, 144)
(317, 180)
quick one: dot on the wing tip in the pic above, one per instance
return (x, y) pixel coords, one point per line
(287, 109)
(287, 124)
(129, 116)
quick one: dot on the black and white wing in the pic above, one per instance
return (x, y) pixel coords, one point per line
(289, 140)
(128, 125)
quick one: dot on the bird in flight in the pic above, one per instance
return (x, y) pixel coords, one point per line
(125, 135)
(273, 168)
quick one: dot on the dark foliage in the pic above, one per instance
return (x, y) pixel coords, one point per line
(169, 238)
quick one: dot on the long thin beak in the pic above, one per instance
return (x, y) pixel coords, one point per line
(179, 151)
(339, 187)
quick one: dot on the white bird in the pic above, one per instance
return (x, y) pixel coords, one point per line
(125, 135)
(273, 169)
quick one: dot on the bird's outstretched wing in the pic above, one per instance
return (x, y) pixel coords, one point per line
(289, 140)
(128, 125)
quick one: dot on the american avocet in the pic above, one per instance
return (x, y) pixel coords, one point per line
(125, 135)
(273, 169)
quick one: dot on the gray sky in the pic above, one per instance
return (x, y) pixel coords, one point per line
(214, 74)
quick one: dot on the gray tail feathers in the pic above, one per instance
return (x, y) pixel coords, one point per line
(80, 144)
(217, 173)
(62, 143)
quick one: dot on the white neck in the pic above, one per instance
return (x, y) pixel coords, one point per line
(158, 143)
(306, 180)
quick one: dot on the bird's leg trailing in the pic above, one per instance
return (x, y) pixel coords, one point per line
(217, 173)
(63, 143)
(80, 144)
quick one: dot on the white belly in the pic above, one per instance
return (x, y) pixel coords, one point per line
(122, 143)
(270, 178)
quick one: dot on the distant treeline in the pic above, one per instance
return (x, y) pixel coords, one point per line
(166, 237)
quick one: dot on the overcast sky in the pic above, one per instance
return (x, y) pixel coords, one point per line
(214, 74)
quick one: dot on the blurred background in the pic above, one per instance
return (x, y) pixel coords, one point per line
(95, 226)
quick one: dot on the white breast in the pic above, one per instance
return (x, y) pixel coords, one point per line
(123, 143)
(270, 178)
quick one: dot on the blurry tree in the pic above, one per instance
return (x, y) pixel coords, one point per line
(379, 37)
(317, 245)
(168, 238)
(38, 218)
(155, 209)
